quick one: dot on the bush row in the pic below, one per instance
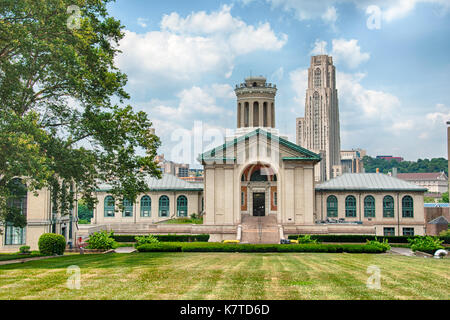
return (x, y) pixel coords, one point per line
(166, 238)
(221, 247)
(360, 238)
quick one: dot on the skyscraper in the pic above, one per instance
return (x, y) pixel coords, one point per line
(319, 129)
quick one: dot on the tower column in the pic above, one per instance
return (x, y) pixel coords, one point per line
(261, 114)
(250, 118)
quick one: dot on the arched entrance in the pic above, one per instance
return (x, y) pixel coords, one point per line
(259, 190)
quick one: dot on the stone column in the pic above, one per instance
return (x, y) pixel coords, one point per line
(250, 114)
(261, 114)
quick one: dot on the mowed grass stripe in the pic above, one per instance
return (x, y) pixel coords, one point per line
(247, 276)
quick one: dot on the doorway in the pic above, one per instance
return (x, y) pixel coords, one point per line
(259, 204)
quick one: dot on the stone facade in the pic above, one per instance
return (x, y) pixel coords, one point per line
(40, 220)
(319, 129)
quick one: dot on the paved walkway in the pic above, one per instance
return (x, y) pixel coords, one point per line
(403, 251)
(2, 263)
(125, 250)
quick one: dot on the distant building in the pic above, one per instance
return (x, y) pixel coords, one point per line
(319, 129)
(435, 182)
(351, 161)
(173, 168)
(389, 158)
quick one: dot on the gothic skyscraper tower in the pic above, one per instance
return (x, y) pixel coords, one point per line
(319, 129)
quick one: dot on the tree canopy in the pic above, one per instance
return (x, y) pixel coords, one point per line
(63, 120)
(425, 165)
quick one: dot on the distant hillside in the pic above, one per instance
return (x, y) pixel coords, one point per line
(433, 165)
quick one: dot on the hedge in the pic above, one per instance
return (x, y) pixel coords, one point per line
(221, 247)
(360, 238)
(52, 244)
(166, 238)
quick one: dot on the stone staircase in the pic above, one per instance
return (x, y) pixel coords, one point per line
(260, 230)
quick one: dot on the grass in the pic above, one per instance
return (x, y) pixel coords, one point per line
(14, 256)
(183, 221)
(246, 276)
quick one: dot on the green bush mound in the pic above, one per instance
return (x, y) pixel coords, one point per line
(51, 244)
(426, 244)
(361, 238)
(102, 240)
(221, 247)
(166, 238)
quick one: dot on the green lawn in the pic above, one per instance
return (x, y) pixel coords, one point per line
(14, 256)
(228, 276)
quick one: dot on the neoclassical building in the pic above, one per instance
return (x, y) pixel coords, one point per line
(259, 187)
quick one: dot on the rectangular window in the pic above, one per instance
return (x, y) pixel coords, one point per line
(275, 199)
(242, 199)
(408, 231)
(389, 231)
(14, 235)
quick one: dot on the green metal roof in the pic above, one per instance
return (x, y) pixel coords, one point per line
(211, 154)
(367, 182)
(167, 182)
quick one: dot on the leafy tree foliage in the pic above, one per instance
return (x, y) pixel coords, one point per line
(63, 121)
(425, 165)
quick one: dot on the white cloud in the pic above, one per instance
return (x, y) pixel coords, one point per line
(188, 47)
(346, 52)
(142, 22)
(299, 83)
(368, 103)
(391, 9)
(320, 47)
(441, 116)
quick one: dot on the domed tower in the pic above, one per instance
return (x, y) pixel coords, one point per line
(255, 104)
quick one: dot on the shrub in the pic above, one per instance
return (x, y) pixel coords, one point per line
(352, 238)
(384, 244)
(222, 247)
(24, 249)
(102, 240)
(426, 244)
(140, 240)
(306, 239)
(166, 238)
(445, 233)
(231, 241)
(52, 244)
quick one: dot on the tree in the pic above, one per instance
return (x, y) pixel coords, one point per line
(444, 198)
(63, 122)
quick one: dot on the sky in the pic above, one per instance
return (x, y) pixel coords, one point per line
(184, 58)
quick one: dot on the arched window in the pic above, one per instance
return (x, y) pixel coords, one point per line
(257, 176)
(332, 206)
(127, 208)
(243, 177)
(388, 207)
(182, 206)
(350, 206)
(164, 206)
(18, 204)
(317, 78)
(109, 207)
(146, 206)
(407, 207)
(369, 207)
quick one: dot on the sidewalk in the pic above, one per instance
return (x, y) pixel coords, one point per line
(2, 263)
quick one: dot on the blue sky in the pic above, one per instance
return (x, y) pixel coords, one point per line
(183, 59)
